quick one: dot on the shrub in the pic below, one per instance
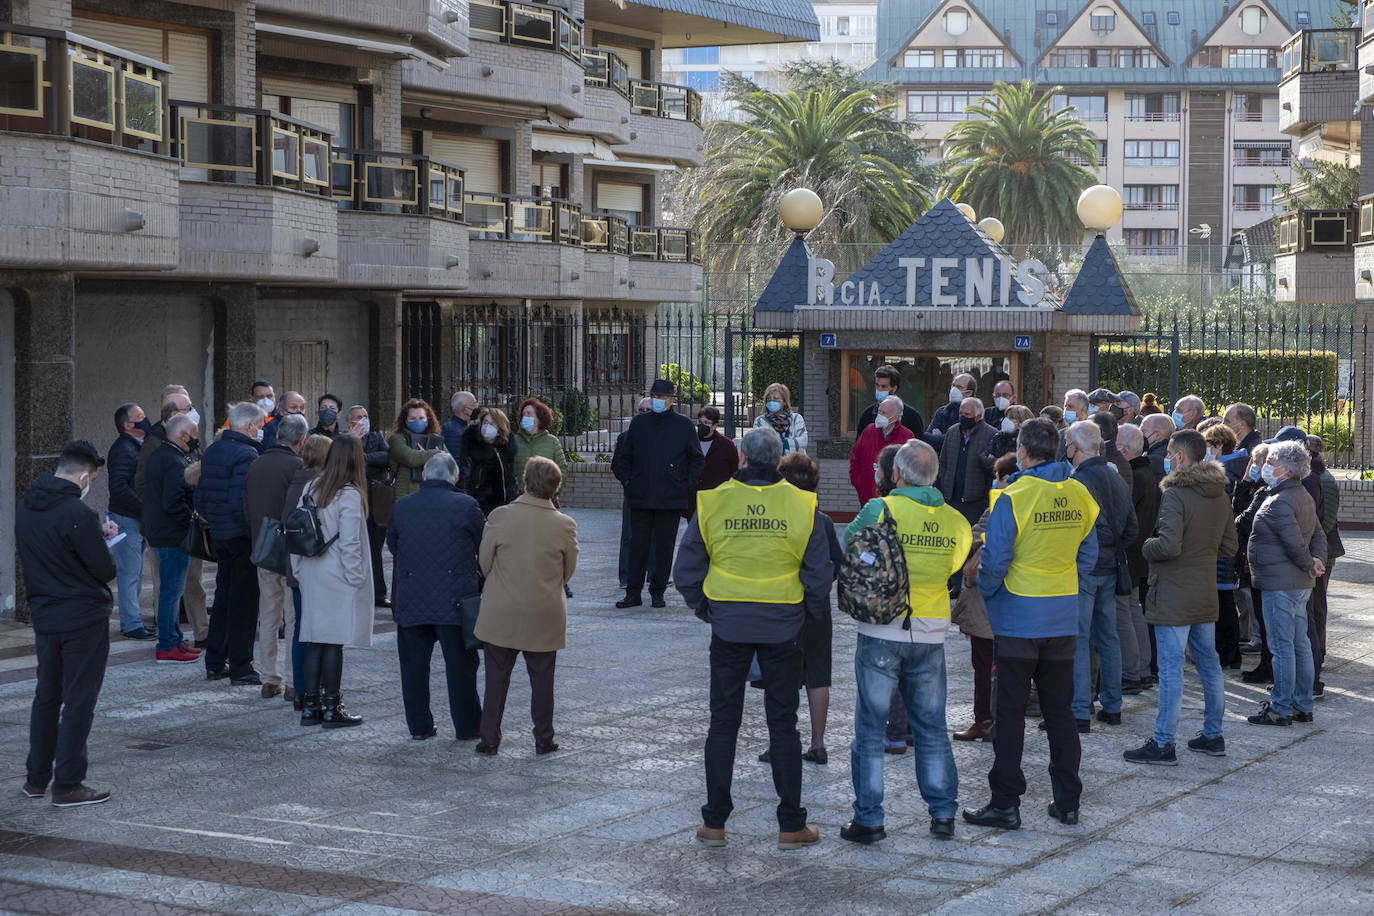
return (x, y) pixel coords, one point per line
(775, 361)
(1335, 432)
(578, 416)
(690, 389)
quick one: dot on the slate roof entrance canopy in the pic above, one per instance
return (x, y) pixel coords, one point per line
(1099, 288)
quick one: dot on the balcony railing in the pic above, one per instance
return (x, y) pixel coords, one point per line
(1256, 117)
(235, 145)
(606, 69)
(1151, 205)
(1255, 206)
(525, 25)
(397, 183)
(1152, 251)
(664, 100)
(1152, 116)
(604, 232)
(1320, 51)
(65, 84)
(1274, 162)
(1322, 231)
(523, 219)
(662, 243)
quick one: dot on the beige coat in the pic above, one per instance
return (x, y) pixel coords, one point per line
(336, 586)
(970, 613)
(529, 551)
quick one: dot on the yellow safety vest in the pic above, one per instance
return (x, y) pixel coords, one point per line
(1052, 519)
(935, 542)
(756, 537)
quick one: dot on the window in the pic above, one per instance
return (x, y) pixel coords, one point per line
(1070, 57)
(1252, 58)
(1255, 106)
(1087, 107)
(702, 80)
(1051, 18)
(1137, 57)
(969, 57)
(956, 21)
(1253, 197)
(1147, 18)
(1152, 106)
(1253, 20)
(918, 59)
(1171, 17)
(1151, 241)
(1150, 196)
(1150, 152)
(842, 26)
(1102, 21)
(701, 55)
(941, 106)
(1103, 58)
(1304, 19)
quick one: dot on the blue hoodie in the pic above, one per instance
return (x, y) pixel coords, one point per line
(1017, 615)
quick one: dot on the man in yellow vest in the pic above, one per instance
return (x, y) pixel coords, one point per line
(754, 562)
(1038, 542)
(909, 652)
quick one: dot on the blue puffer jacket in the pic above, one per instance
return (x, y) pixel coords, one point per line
(434, 535)
(219, 495)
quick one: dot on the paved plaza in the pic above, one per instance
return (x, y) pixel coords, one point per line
(223, 804)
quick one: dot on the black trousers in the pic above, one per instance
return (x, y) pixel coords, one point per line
(625, 541)
(415, 646)
(1228, 627)
(1049, 663)
(376, 536)
(1316, 620)
(71, 668)
(781, 665)
(1266, 662)
(234, 616)
(651, 530)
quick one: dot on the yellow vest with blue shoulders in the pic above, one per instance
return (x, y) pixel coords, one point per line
(1052, 519)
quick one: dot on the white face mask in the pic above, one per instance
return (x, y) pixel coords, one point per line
(880, 421)
(877, 477)
(86, 486)
(259, 435)
(1002, 403)
(955, 395)
(267, 404)
(364, 426)
(194, 416)
(1008, 425)
(489, 432)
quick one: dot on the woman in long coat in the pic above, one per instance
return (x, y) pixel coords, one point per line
(336, 585)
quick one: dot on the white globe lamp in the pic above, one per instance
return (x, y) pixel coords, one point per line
(968, 212)
(992, 227)
(801, 210)
(1099, 207)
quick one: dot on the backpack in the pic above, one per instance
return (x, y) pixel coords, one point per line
(873, 581)
(302, 532)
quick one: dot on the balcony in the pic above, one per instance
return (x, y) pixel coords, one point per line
(1315, 261)
(665, 122)
(1320, 84)
(400, 220)
(440, 26)
(85, 182)
(256, 195)
(1364, 249)
(607, 113)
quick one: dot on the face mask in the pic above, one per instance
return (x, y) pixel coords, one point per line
(1018, 463)
(194, 416)
(1070, 416)
(1092, 409)
(1267, 472)
(143, 426)
(880, 421)
(1210, 456)
(327, 417)
(773, 406)
(489, 432)
(1002, 403)
(966, 423)
(192, 444)
(877, 478)
(417, 426)
(1178, 420)
(259, 434)
(1118, 412)
(704, 432)
(1008, 425)
(658, 405)
(364, 426)
(955, 395)
(267, 404)
(1254, 474)
(881, 395)
(527, 424)
(1168, 466)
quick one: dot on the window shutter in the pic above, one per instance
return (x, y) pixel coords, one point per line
(189, 55)
(480, 158)
(634, 59)
(343, 93)
(137, 38)
(614, 195)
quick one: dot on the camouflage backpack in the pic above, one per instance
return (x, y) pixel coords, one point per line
(874, 587)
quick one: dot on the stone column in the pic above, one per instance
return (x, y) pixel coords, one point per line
(236, 345)
(1362, 382)
(384, 359)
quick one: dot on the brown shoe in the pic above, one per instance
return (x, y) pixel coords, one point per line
(978, 731)
(271, 690)
(796, 839)
(298, 702)
(81, 795)
(33, 791)
(289, 694)
(710, 836)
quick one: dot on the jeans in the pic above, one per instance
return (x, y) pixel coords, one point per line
(172, 565)
(297, 647)
(1049, 662)
(1285, 622)
(71, 668)
(781, 665)
(128, 557)
(415, 649)
(1200, 638)
(1097, 620)
(918, 670)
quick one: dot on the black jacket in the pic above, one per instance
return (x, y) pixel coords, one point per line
(911, 418)
(156, 436)
(434, 536)
(1156, 455)
(1116, 522)
(487, 470)
(376, 455)
(977, 475)
(167, 506)
(121, 464)
(219, 494)
(265, 485)
(65, 561)
(1145, 497)
(330, 433)
(659, 461)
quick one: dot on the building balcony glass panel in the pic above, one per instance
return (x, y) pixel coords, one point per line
(526, 25)
(1321, 82)
(1315, 256)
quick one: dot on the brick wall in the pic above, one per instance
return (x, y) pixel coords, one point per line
(256, 233)
(1357, 504)
(591, 485)
(518, 76)
(398, 251)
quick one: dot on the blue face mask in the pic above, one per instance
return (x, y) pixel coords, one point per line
(417, 426)
(1254, 474)
(658, 405)
(527, 424)
(881, 395)
(773, 406)
(1018, 463)
(1178, 420)
(1092, 409)
(1070, 416)
(1168, 466)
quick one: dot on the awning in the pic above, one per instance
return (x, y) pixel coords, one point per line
(548, 141)
(618, 162)
(395, 49)
(1261, 144)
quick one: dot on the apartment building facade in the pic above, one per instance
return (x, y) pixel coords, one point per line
(1182, 97)
(214, 191)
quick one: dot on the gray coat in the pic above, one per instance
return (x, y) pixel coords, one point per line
(1116, 522)
(1284, 539)
(336, 586)
(1194, 528)
(977, 478)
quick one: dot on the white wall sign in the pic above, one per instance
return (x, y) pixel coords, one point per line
(981, 288)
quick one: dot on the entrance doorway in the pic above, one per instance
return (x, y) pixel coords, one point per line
(926, 379)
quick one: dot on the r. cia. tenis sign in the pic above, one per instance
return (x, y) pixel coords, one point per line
(986, 283)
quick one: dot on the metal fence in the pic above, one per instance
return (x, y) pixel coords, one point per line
(593, 368)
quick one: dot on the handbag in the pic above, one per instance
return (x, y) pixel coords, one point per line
(269, 548)
(468, 610)
(381, 499)
(424, 442)
(1124, 584)
(196, 542)
(302, 531)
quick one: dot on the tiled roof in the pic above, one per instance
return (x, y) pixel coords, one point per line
(1021, 23)
(789, 18)
(1099, 288)
(1255, 245)
(787, 288)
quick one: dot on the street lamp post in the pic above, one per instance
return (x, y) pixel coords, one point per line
(1204, 231)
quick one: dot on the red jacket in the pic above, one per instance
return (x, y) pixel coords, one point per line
(865, 455)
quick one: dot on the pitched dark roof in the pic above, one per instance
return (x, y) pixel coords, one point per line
(1255, 245)
(787, 288)
(1099, 288)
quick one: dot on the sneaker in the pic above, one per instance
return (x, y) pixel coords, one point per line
(79, 796)
(796, 839)
(140, 633)
(31, 791)
(1212, 747)
(1300, 716)
(710, 836)
(1152, 753)
(187, 647)
(1267, 716)
(176, 655)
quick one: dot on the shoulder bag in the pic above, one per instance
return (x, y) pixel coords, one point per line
(873, 581)
(196, 543)
(269, 548)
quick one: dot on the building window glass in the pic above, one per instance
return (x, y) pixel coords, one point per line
(702, 80)
(842, 25)
(1172, 17)
(1150, 196)
(1147, 18)
(956, 21)
(1103, 57)
(1151, 241)
(1253, 20)
(701, 55)
(1253, 198)
(1252, 58)
(1150, 152)
(1304, 19)
(941, 106)
(1263, 154)
(1152, 106)
(1255, 106)
(1087, 107)
(1102, 21)
(923, 59)
(1100, 162)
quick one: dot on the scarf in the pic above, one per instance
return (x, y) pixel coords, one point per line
(782, 423)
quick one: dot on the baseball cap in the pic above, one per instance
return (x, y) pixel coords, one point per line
(1288, 434)
(1100, 395)
(1130, 398)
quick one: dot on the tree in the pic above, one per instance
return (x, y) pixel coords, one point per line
(1012, 160)
(1321, 186)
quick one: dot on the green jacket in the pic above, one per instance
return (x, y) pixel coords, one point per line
(873, 509)
(543, 444)
(403, 458)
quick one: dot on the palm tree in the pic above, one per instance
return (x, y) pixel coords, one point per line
(1019, 160)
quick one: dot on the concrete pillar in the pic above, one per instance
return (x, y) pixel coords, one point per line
(235, 345)
(1362, 383)
(386, 107)
(384, 360)
(238, 83)
(8, 492)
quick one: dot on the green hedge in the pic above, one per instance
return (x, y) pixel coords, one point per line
(775, 361)
(690, 389)
(1275, 382)
(578, 415)
(1334, 429)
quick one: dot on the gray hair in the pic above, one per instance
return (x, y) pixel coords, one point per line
(442, 467)
(893, 399)
(177, 425)
(349, 413)
(292, 429)
(1292, 457)
(977, 406)
(1192, 403)
(455, 402)
(1086, 435)
(1079, 395)
(245, 414)
(917, 463)
(170, 389)
(761, 447)
(1130, 437)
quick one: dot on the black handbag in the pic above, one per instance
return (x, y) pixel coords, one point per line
(468, 609)
(196, 543)
(1124, 584)
(302, 532)
(269, 548)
